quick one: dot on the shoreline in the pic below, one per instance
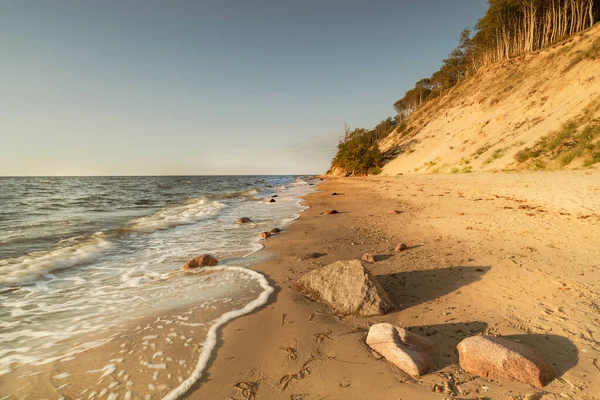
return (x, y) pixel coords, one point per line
(500, 254)
(453, 283)
(118, 356)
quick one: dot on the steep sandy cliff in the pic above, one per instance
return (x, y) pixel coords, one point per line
(543, 108)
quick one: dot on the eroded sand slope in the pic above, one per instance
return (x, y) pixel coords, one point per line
(484, 121)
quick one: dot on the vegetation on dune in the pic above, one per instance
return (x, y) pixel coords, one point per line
(578, 139)
(508, 29)
(358, 152)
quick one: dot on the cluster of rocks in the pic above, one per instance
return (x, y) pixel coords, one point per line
(348, 288)
(208, 260)
(262, 235)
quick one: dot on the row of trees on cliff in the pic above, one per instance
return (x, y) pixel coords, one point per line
(509, 28)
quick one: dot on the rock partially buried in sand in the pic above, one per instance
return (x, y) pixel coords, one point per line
(309, 256)
(272, 201)
(243, 220)
(264, 235)
(394, 212)
(542, 396)
(494, 357)
(401, 247)
(204, 260)
(275, 230)
(368, 258)
(402, 348)
(347, 288)
(330, 212)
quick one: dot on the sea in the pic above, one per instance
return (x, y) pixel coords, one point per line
(84, 259)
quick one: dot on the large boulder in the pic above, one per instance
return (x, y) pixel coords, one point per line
(404, 349)
(204, 260)
(347, 288)
(494, 357)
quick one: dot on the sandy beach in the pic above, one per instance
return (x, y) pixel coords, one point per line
(507, 254)
(510, 254)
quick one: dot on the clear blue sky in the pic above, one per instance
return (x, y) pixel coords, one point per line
(207, 87)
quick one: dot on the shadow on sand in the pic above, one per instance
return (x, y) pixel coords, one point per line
(560, 351)
(446, 337)
(409, 288)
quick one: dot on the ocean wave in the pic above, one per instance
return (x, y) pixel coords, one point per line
(299, 182)
(169, 217)
(30, 267)
(250, 193)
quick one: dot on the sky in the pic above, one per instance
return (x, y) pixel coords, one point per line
(226, 87)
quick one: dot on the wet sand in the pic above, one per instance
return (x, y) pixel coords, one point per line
(146, 358)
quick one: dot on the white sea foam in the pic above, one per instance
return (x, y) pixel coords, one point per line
(195, 210)
(31, 267)
(211, 338)
(106, 289)
(299, 182)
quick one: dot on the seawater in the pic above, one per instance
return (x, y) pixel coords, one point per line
(82, 255)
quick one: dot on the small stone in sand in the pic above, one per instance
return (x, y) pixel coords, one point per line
(401, 247)
(368, 258)
(334, 194)
(272, 201)
(264, 235)
(394, 212)
(274, 195)
(308, 256)
(203, 260)
(330, 212)
(275, 230)
(243, 220)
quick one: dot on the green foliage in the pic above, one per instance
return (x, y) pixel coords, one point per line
(376, 171)
(523, 155)
(495, 155)
(359, 155)
(567, 144)
(482, 150)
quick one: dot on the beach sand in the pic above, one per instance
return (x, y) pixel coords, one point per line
(512, 254)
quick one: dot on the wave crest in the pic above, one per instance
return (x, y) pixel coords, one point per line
(168, 217)
(30, 267)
